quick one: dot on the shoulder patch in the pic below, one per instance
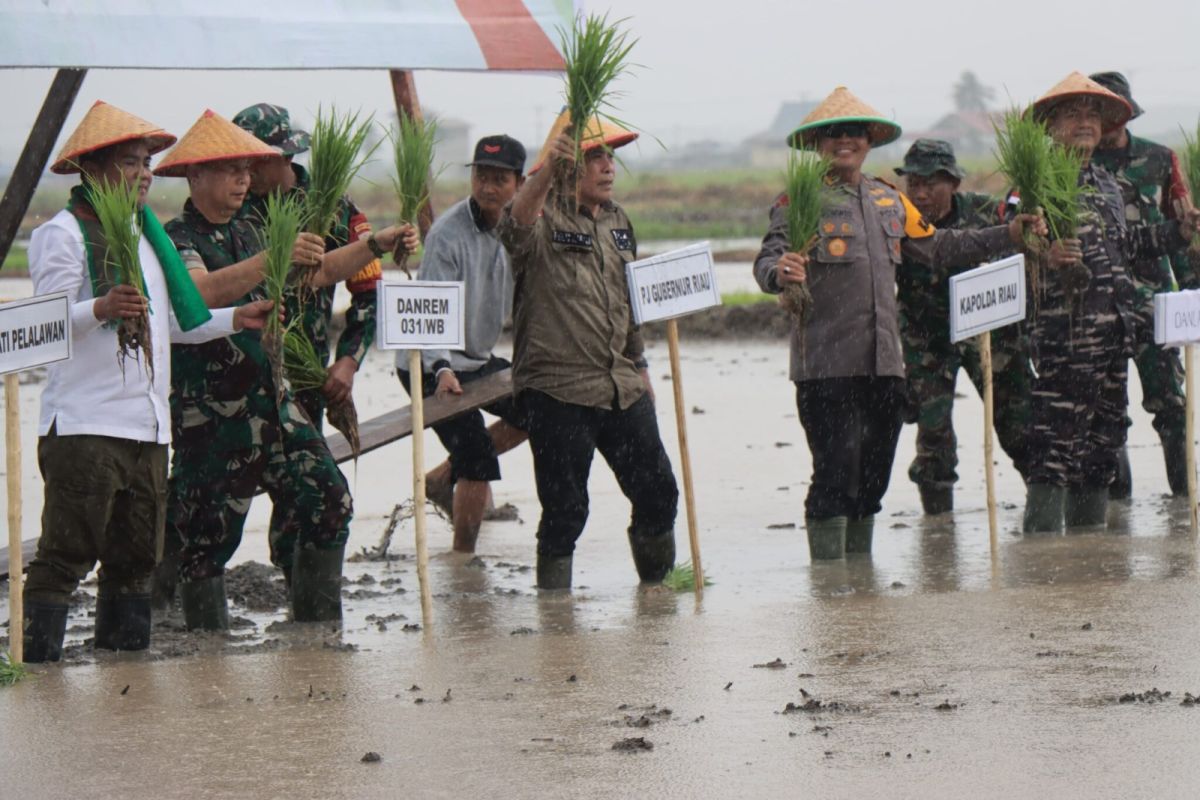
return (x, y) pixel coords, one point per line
(885, 183)
(623, 237)
(781, 201)
(915, 225)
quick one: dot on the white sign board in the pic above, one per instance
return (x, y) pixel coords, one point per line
(34, 332)
(673, 284)
(420, 315)
(987, 297)
(1177, 317)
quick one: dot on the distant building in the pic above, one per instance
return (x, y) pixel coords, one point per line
(971, 133)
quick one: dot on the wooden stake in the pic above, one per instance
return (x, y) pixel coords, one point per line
(985, 358)
(418, 452)
(12, 446)
(689, 496)
(1189, 426)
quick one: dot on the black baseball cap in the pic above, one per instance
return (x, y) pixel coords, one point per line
(500, 151)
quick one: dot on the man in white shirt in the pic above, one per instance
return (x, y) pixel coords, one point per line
(104, 428)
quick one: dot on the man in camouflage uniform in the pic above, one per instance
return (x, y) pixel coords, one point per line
(932, 361)
(233, 428)
(1151, 184)
(1083, 325)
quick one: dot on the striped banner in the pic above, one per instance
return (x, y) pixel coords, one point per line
(514, 35)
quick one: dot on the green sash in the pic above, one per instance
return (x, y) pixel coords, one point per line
(186, 302)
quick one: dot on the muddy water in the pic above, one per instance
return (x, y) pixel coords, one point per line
(525, 696)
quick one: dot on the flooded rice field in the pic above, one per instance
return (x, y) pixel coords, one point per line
(1064, 668)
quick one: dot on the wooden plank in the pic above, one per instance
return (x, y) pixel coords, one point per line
(379, 431)
(32, 163)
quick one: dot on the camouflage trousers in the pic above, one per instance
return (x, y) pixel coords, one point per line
(210, 495)
(932, 362)
(1078, 403)
(1159, 369)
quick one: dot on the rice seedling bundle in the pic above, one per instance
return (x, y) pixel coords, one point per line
(11, 671)
(305, 370)
(335, 158)
(804, 188)
(413, 145)
(682, 578)
(1190, 161)
(284, 219)
(116, 207)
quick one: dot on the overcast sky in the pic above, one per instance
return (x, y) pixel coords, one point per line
(720, 70)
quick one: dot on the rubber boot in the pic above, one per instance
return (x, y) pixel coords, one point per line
(317, 584)
(653, 556)
(204, 605)
(1174, 444)
(554, 572)
(936, 499)
(45, 628)
(1044, 508)
(1121, 487)
(1086, 506)
(122, 622)
(826, 538)
(859, 533)
(166, 582)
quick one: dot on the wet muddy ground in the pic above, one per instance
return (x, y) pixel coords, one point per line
(1067, 668)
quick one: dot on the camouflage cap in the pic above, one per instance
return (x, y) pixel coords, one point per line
(272, 125)
(1117, 83)
(927, 157)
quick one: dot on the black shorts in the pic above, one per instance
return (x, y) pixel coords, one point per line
(472, 455)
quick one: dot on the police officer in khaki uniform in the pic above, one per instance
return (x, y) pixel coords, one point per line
(578, 370)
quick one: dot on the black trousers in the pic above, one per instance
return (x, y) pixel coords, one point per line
(852, 425)
(563, 438)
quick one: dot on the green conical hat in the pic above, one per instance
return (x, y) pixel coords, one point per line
(843, 106)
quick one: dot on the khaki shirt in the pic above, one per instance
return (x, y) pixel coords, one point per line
(865, 233)
(573, 331)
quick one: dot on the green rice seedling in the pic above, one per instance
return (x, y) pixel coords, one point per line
(1063, 205)
(116, 207)
(413, 145)
(682, 578)
(1190, 161)
(305, 370)
(334, 159)
(285, 217)
(805, 191)
(11, 671)
(1023, 148)
(595, 53)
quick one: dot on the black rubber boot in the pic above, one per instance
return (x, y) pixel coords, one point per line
(859, 534)
(122, 622)
(204, 605)
(45, 628)
(826, 538)
(654, 556)
(317, 584)
(936, 499)
(554, 572)
(1174, 445)
(1044, 508)
(1121, 487)
(1086, 507)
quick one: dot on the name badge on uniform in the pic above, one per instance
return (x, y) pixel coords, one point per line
(574, 240)
(624, 239)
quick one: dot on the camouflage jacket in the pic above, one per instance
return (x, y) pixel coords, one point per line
(1151, 182)
(222, 393)
(923, 292)
(350, 226)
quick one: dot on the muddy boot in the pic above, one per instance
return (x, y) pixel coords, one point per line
(826, 538)
(859, 533)
(204, 605)
(165, 583)
(45, 627)
(936, 499)
(317, 585)
(122, 621)
(1043, 508)
(1086, 507)
(1174, 445)
(554, 572)
(653, 556)
(1121, 487)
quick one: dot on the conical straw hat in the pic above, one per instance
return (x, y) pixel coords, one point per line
(598, 132)
(212, 138)
(1114, 109)
(105, 125)
(843, 106)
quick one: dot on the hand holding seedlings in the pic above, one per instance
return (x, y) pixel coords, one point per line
(120, 302)
(308, 250)
(1064, 252)
(563, 149)
(253, 316)
(1025, 225)
(340, 382)
(792, 268)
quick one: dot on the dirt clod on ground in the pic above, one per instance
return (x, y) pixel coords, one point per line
(256, 587)
(633, 744)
